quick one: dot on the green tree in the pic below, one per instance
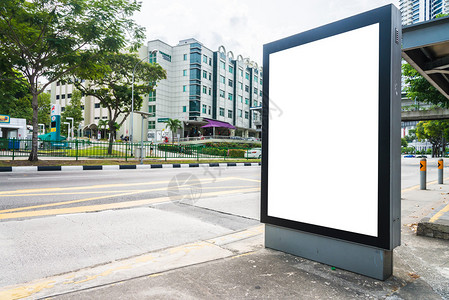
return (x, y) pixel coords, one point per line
(51, 38)
(72, 110)
(411, 135)
(436, 132)
(114, 88)
(173, 125)
(44, 106)
(103, 124)
(404, 142)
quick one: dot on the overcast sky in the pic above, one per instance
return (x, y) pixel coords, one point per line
(243, 26)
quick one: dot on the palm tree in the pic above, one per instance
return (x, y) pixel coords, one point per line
(174, 125)
(102, 125)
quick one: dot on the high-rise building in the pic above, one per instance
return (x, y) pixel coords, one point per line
(202, 85)
(414, 11)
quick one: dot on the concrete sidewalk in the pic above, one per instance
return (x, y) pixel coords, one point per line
(237, 266)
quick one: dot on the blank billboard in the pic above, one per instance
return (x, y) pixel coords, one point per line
(334, 182)
(330, 158)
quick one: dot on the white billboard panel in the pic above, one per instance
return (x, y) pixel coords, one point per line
(328, 92)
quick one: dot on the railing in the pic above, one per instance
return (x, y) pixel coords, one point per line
(76, 149)
(219, 137)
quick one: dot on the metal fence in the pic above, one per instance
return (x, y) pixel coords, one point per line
(121, 150)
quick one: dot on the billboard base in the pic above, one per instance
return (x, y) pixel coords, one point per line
(369, 261)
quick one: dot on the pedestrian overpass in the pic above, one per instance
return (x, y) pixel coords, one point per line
(425, 46)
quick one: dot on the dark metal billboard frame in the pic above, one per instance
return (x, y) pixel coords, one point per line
(388, 218)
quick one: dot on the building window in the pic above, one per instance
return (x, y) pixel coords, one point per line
(246, 88)
(62, 108)
(82, 107)
(152, 110)
(58, 83)
(152, 96)
(210, 76)
(255, 91)
(222, 79)
(184, 88)
(209, 110)
(247, 75)
(204, 108)
(204, 59)
(185, 56)
(230, 114)
(57, 97)
(260, 93)
(184, 73)
(240, 85)
(104, 118)
(222, 93)
(222, 110)
(204, 89)
(241, 72)
(231, 69)
(246, 115)
(255, 103)
(222, 65)
(151, 124)
(184, 109)
(97, 118)
(230, 96)
(230, 83)
(246, 101)
(240, 99)
(97, 105)
(69, 95)
(205, 74)
(152, 58)
(240, 113)
(256, 79)
(210, 91)
(260, 81)
(210, 61)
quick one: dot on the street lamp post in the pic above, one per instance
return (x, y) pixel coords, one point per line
(68, 129)
(132, 97)
(144, 115)
(43, 127)
(71, 133)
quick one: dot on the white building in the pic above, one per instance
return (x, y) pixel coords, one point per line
(201, 84)
(61, 93)
(414, 11)
(14, 129)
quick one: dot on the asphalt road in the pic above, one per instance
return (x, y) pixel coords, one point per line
(56, 222)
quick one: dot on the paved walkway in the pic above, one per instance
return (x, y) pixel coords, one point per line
(237, 266)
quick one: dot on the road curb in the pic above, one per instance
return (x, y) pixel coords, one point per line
(121, 167)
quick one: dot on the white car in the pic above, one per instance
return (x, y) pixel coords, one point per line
(253, 153)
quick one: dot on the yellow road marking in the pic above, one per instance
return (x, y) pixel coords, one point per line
(247, 179)
(63, 203)
(104, 186)
(417, 186)
(118, 205)
(103, 192)
(439, 214)
(94, 198)
(26, 290)
(61, 194)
